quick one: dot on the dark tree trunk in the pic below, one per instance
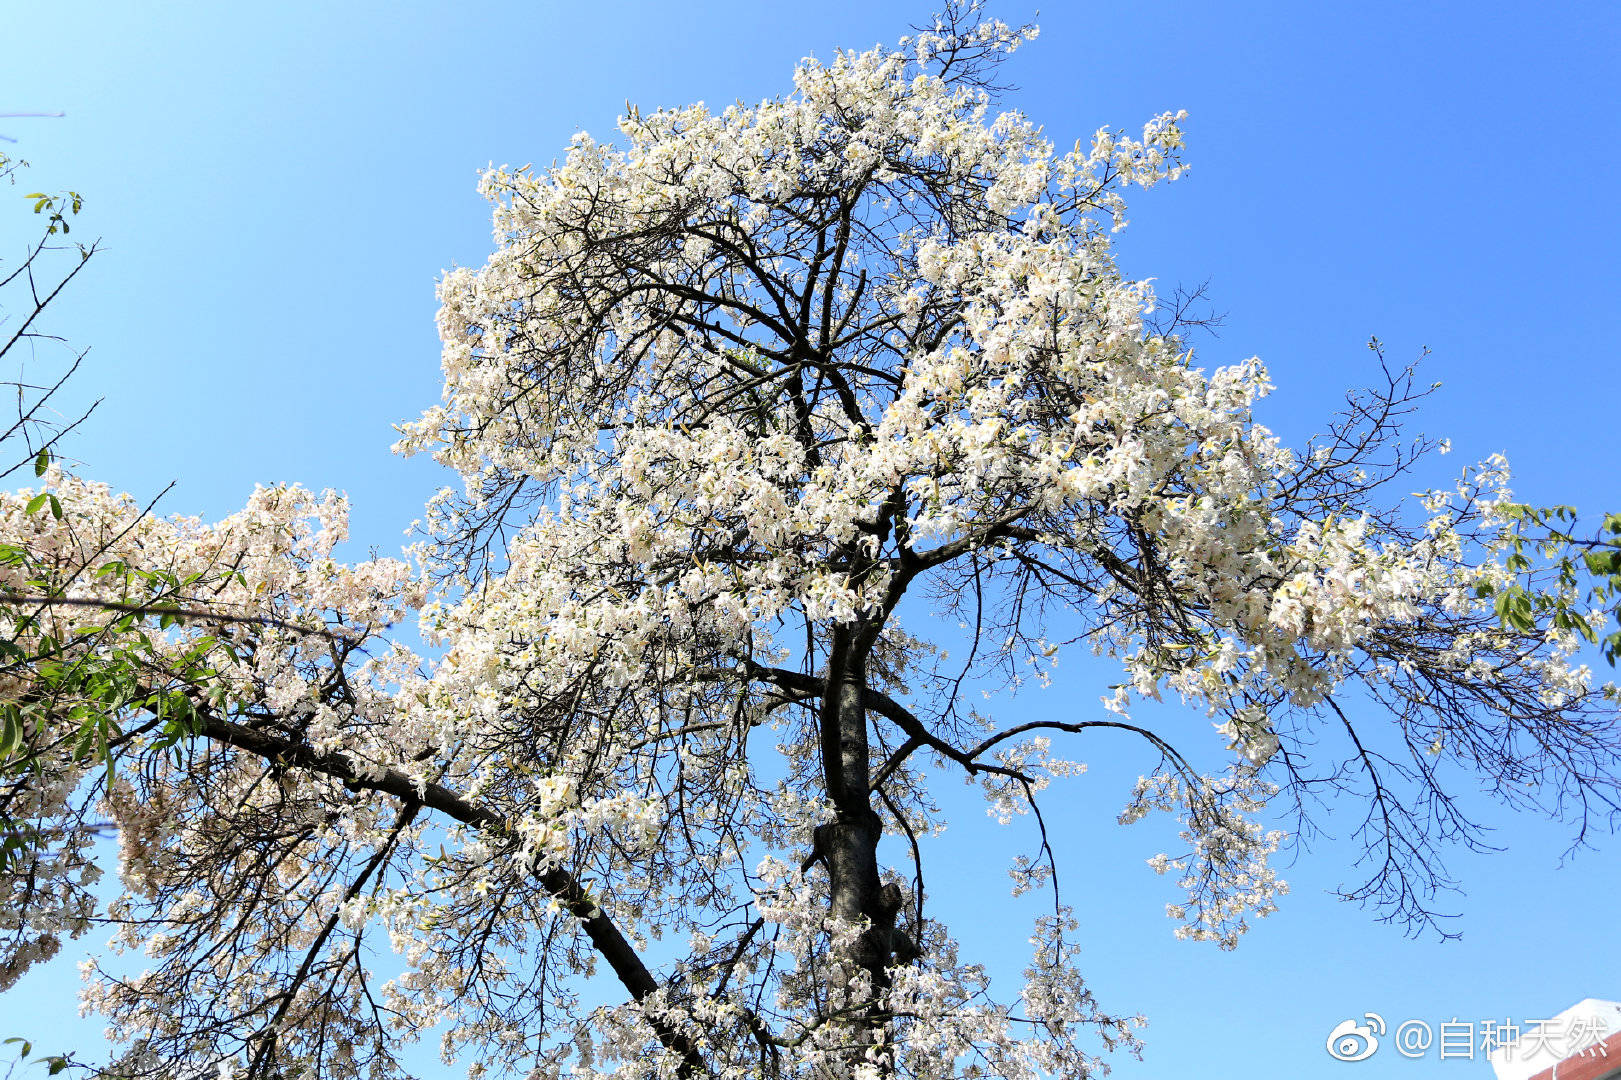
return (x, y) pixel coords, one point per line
(850, 841)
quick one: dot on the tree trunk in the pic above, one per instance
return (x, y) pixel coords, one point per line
(850, 841)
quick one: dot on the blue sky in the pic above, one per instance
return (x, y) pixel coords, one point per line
(277, 187)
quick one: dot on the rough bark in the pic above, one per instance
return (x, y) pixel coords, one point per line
(850, 841)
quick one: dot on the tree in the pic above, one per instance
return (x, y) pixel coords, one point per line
(77, 651)
(87, 670)
(729, 402)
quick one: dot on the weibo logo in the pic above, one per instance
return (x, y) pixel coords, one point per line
(1351, 1041)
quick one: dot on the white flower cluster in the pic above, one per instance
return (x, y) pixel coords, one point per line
(1225, 872)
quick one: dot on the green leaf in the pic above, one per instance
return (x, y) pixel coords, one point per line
(10, 735)
(1520, 613)
(87, 741)
(1603, 562)
(56, 508)
(36, 502)
(43, 461)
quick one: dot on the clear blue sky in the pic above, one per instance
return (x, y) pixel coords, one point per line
(278, 185)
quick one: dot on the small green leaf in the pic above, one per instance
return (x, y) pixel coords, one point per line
(43, 461)
(56, 508)
(36, 502)
(1603, 562)
(87, 741)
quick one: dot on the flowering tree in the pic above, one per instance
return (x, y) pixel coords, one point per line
(723, 398)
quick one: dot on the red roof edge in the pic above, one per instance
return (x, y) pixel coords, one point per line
(1593, 1063)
